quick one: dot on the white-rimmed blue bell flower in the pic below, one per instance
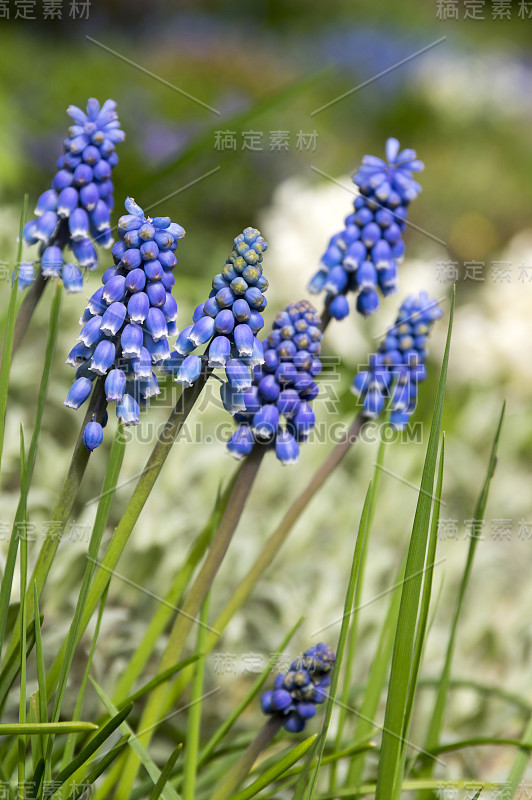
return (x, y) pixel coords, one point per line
(126, 323)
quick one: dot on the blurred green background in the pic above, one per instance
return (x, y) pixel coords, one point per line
(464, 105)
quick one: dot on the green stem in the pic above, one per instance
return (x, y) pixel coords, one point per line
(243, 766)
(130, 516)
(279, 536)
(190, 609)
(27, 308)
(273, 545)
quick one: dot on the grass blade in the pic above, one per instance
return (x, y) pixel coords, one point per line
(164, 777)
(353, 628)
(164, 613)
(162, 699)
(5, 367)
(426, 594)
(306, 787)
(436, 722)
(98, 739)
(168, 793)
(276, 771)
(45, 728)
(74, 635)
(99, 768)
(403, 652)
(7, 580)
(377, 676)
(70, 745)
(194, 713)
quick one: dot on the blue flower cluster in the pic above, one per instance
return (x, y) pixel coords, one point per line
(364, 256)
(75, 211)
(296, 693)
(399, 364)
(227, 323)
(283, 387)
(128, 320)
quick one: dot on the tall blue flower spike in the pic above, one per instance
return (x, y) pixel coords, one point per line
(75, 211)
(275, 411)
(364, 256)
(227, 323)
(296, 694)
(398, 367)
(128, 320)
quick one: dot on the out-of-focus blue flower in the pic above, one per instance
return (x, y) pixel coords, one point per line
(127, 320)
(277, 409)
(75, 211)
(363, 258)
(228, 322)
(296, 693)
(398, 366)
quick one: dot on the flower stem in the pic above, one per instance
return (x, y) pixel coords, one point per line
(279, 536)
(27, 308)
(188, 613)
(243, 766)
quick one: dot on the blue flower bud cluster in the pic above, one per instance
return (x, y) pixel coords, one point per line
(283, 387)
(128, 320)
(296, 693)
(398, 367)
(227, 323)
(363, 257)
(75, 211)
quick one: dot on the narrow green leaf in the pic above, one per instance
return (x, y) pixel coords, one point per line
(68, 753)
(99, 768)
(194, 711)
(5, 367)
(74, 635)
(98, 739)
(307, 784)
(166, 610)
(521, 760)
(11, 668)
(41, 676)
(23, 563)
(277, 771)
(162, 699)
(440, 703)
(426, 595)
(392, 752)
(164, 777)
(353, 628)
(377, 676)
(45, 728)
(168, 792)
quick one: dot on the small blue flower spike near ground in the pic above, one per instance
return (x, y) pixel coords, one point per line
(363, 257)
(75, 211)
(128, 320)
(228, 322)
(296, 694)
(398, 367)
(283, 387)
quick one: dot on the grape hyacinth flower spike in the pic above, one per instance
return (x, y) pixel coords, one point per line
(296, 694)
(75, 210)
(128, 320)
(228, 322)
(398, 366)
(275, 411)
(363, 257)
